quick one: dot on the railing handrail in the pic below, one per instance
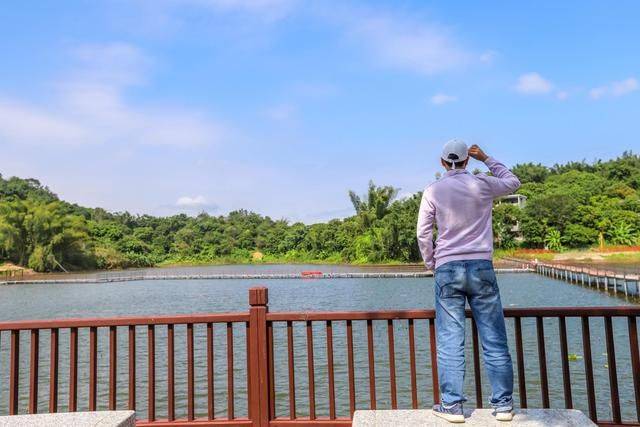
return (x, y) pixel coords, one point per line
(177, 319)
(281, 316)
(597, 311)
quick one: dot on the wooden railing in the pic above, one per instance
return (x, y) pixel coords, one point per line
(132, 325)
(306, 368)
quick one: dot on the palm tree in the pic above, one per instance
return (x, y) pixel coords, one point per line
(376, 205)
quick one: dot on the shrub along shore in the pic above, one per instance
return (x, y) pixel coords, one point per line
(569, 206)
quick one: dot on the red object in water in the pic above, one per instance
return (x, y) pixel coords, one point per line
(311, 273)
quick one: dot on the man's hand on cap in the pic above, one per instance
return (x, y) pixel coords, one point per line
(477, 153)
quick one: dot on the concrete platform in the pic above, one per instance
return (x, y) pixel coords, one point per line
(473, 417)
(76, 419)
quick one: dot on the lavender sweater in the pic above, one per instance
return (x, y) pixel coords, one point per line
(461, 205)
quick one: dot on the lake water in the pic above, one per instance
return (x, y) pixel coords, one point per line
(162, 297)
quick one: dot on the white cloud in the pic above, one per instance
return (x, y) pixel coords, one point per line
(562, 95)
(598, 92)
(190, 202)
(615, 89)
(533, 84)
(251, 5)
(488, 57)
(24, 124)
(91, 106)
(314, 90)
(119, 64)
(269, 10)
(281, 112)
(193, 204)
(441, 98)
(395, 39)
(624, 87)
(403, 42)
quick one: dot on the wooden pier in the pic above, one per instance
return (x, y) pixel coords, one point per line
(626, 284)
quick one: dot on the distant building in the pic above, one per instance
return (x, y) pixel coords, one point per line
(520, 201)
(513, 199)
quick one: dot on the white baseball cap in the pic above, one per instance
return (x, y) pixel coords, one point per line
(455, 151)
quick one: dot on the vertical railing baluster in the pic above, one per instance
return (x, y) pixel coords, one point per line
(392, 365)
(613, 373)
(330, 372)
(33, 371)
(151, 369)
(73, 370)
(93, 367)
(291, 366)
(564, 354)
(542, 359)
(588, 367)
(230, 394)
(113, 367)
(53, 372)
(351, 369)
(171, 404)
(434, 361)
(476, 363)
(210, 371)
(132, 368)
(522, 384)
(412, 366)
(248, 346)
(635, 360)
(372, 365)
(14, 375)
(190, 374)
(272, 382)
(310, 371)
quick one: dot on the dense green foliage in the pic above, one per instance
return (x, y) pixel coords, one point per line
(573, 205)
(581, 204)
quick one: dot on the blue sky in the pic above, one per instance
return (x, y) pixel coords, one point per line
(282, 106)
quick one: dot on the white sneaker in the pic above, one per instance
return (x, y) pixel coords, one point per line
(454, 414)
(504, 416)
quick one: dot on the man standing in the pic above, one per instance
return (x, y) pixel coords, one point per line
(460, 204)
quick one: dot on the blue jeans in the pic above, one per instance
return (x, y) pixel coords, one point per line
(473, 281)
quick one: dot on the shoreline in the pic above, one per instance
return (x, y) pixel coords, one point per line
(251, 276)
(617, 259)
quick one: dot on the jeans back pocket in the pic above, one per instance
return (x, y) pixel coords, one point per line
(484, 281)
(449, 283)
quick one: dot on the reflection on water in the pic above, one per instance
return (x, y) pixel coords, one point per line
(167, 297)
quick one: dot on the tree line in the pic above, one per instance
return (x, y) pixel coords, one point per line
(573, 205)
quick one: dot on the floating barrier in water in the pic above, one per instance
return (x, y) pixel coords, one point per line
(108, 278)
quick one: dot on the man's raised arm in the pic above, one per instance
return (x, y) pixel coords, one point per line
(503, 181)
(426, 214)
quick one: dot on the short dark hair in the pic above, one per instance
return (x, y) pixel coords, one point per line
(454, 165)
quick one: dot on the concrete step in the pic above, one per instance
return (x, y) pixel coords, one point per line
(473, 417)
(76, 419)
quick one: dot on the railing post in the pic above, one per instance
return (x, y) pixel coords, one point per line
(258, 357)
